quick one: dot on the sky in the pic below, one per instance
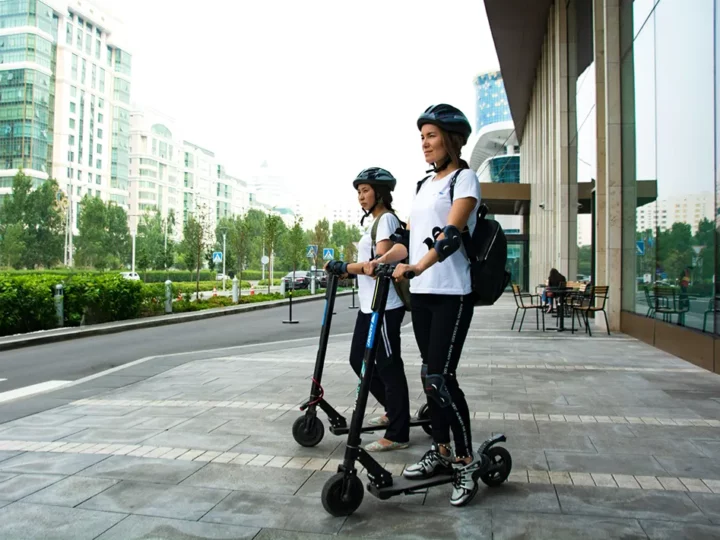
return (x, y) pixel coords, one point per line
(319, 89)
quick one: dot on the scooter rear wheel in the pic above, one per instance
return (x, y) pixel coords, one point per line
(332, 499)
(308, 431)
(498, 456)
(424, 414)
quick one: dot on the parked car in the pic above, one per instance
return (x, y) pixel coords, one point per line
(321, 278)
(133, 276)
(302, 280)
(219, 277)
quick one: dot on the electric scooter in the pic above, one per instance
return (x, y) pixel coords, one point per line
(343, 492)
(308, 430)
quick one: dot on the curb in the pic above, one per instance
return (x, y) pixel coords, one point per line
(58, 335)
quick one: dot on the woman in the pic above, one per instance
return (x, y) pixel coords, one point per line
(442, 308)
(389, 385)
(555, 279)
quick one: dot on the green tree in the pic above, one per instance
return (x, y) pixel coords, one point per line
(197, 238)
(151, 249)
(273, 229)
(255, 220)
(321, 236)
(239, 242)
(584, 260)
(39, 213)
(103, 240)
(705, 239)
(12, 244)
(296, 244)
(340, 236)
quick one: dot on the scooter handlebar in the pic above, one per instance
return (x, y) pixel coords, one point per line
(386, 270)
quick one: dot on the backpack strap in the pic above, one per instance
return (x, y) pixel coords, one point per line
(373, 234)
(452, 184)
(420, 184)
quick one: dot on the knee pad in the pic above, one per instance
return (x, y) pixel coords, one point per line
(450, 244)
(436, 389)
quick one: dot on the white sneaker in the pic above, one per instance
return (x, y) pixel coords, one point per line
(465, 485)
(432, 463)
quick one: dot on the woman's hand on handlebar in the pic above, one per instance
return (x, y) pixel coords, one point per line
(368, 267)
(402, 269)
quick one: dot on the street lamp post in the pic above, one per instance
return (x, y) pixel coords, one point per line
(134, 233)
(224, 233)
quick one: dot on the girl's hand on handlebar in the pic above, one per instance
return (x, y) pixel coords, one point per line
(369, 267)
(400, 269)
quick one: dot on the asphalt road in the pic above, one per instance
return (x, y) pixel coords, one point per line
(78, 358)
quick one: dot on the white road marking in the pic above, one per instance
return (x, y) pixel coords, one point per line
(31, 390)
(1, 380)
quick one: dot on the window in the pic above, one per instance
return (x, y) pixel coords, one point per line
(99, 148)
(93, 76)
(79, 175)
(109, 56)
(73, 91)
(101, 103)
(74, 67)
(100, 133)
(71, 140)
(98, 164)
(72, 123)
(84, 70)
(101, 118)
(98, 32)
(98, 179)
(102, 80)
(68, 33)
(72, 107)
(78, 40)
(70, 174)
(98, 46)
(88, 43)
(79, 189)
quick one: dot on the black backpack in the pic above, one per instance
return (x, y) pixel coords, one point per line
(486, 249)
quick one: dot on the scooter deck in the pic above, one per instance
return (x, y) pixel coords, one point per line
(404, 485)
(344, 430)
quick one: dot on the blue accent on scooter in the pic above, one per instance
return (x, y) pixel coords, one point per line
(371, 332)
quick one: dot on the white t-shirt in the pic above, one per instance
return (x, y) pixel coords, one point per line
(431, 209)
(366, 285)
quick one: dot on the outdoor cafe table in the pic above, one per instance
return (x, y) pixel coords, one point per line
(561, 294)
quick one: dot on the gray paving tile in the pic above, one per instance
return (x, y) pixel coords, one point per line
(278, 534)
(593, 430)
(106, 422)
(5, 455)
(407, 521)
(675, 432)
(43, 419)
(710, 448)
(158, 500)
(6, 476)
(96, 410)
(202, 424)
(199, 441)
(301, 514)
(313, 488)
(571, 443)
(113, 436)
(644, 446)
(603, 463)
(158, 422)
(40, 522)
(22, 485)
(160, 471)
(515, 525)
(709, 503)
(248, 478)
(629, 503)
(671, 530)
(42, 433)
(143, 527)
(692, 467)
(71, 491)
(283, 445)
(185, 412)
(50, 463)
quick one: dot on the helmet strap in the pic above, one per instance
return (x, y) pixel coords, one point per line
(437, 168)
(367, 213)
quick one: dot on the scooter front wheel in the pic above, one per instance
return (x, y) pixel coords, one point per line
(332, 495)
(424, 414)
(308, 431)
(501, 460)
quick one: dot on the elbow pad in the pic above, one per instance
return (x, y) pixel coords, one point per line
(401, 236)
(450, 244)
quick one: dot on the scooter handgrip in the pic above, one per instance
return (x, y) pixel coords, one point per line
(409, 274)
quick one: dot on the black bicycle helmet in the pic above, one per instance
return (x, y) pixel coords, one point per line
(375, 176)
(446, 117)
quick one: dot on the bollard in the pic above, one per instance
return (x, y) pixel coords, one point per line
(59, 304)
(235, 290)
(282, 288)
(312, 284)
(353, 297)
(168, 296)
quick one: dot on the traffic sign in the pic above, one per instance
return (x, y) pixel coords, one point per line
(265, 259)
(311, 251)
(640, 245)
(328, 254)
(217, 256)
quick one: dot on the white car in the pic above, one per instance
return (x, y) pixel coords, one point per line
(133, 276)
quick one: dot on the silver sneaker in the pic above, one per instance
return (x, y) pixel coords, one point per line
(465, 485)
(432, 463)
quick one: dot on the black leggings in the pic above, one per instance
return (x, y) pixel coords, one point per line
(388, 384)
(441, 323)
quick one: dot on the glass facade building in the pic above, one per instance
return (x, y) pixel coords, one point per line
(27, 94)
(491, 100)
(669, 116)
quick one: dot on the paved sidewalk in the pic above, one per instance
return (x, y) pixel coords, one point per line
(610, 438)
